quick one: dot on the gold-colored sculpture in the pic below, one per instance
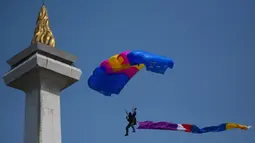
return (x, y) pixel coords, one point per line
(42, 33)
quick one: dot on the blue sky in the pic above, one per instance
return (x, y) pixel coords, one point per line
(211, 41)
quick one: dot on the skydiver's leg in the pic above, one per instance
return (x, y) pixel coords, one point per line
(132, 125)
(127, 127)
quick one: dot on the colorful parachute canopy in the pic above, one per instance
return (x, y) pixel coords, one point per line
(189, 127)
(114, 73)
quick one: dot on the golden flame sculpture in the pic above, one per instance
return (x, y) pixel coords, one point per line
(42, 33)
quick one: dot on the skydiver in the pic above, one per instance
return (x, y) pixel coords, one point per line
(131, 118)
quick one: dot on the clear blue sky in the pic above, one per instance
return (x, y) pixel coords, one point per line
(211, 41)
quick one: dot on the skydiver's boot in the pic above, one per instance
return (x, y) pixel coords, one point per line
(126, 133)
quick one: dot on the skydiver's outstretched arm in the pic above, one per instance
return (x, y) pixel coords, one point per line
(134, 112)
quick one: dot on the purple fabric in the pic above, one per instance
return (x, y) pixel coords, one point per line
(157, 125)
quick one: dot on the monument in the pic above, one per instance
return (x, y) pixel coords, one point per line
(42, 72)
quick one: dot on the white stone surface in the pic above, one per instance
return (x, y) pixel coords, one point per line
(50, 118)
(32, 116)
(38, 60)
(67, 74)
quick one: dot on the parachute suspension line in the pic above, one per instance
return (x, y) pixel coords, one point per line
(134, 106)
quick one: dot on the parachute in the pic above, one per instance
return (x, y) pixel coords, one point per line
(189, 127)
(114, 73)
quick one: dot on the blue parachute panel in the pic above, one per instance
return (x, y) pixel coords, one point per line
(107, 84)
(153, 63)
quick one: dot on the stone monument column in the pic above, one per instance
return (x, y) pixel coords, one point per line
(42, 72)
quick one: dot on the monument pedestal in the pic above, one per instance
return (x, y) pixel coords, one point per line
(42, 72)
